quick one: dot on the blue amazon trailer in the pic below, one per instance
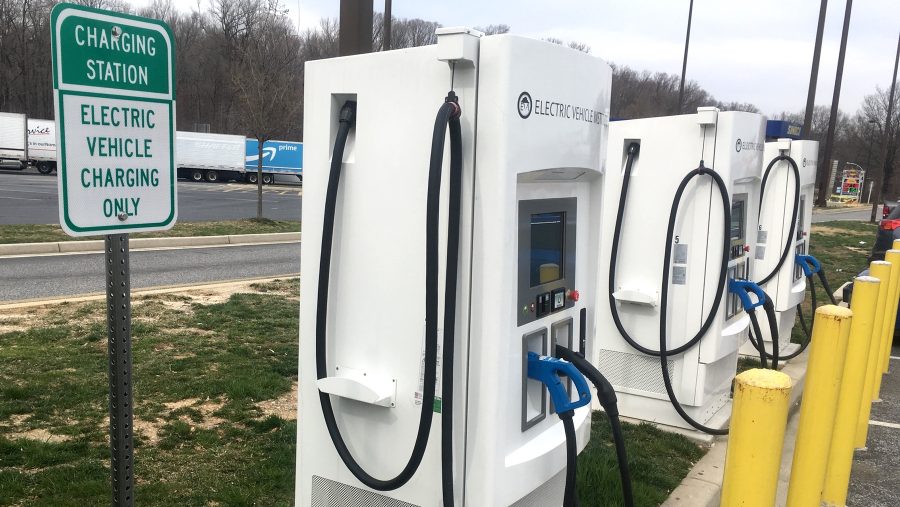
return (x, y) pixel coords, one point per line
(279, 158)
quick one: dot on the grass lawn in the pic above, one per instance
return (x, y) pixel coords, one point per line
(215, 394)
(51, 232)
(843, 248)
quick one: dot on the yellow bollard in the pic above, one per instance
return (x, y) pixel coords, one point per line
(888, 340)
(883, 271)
(755, 439)
(890, 316)
(823, 378)
(840, 456)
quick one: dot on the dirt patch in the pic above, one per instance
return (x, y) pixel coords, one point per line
(825, 230)
(175, 405)
(38, 435)
(284, 407)
(206, 408)
(148, 429)
(10, 323)
(19, 419)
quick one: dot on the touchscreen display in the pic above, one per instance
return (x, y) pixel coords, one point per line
(547, 240)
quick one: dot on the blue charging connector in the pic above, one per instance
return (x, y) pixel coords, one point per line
(809, 264)
(743, 288)
(547, 370)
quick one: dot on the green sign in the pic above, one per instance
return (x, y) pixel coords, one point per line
(114, 91)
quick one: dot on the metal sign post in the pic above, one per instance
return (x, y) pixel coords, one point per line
(118, 307)
(114, 96)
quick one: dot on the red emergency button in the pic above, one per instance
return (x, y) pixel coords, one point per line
(573, 295)
(746, 248)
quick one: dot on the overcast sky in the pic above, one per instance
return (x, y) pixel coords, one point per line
(756, 51)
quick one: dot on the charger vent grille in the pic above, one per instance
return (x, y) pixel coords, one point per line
(328, 493)
(548, 493)
(635, 371)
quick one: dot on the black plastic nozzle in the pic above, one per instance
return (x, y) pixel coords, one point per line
(348, 112)
(451, 98)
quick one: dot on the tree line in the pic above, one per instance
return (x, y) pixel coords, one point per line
(240, 70)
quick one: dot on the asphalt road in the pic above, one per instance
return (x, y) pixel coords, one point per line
(30, 198)
(69, 275)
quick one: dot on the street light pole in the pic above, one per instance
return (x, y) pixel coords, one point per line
(824, 184)
(387, 25)
(687, 42)
(887, 134)
(814, 73)
(355, 35)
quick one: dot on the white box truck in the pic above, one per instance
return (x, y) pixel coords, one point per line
(42, 145)
(13, 144)
(210, 157)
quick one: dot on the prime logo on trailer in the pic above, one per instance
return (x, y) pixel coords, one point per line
(114, 94)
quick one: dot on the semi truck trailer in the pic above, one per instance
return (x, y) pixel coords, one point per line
(209, 157)
(13, 141)
(42, 145)
(280, 159)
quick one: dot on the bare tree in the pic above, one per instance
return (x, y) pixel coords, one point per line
(493, 29)
(267, 85)
(577, 46)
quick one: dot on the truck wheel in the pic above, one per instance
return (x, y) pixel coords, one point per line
(197, 175)
(212, 176)
(267, 179)
(44, 168)
(252, 177)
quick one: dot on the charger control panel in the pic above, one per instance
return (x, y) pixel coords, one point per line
(546, 257)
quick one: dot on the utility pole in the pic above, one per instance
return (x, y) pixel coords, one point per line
(387, 25)
(824, 184)
(814, 73)
(886, 138)
(355, 27)
(687, 42)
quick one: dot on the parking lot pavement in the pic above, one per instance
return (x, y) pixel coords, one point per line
(31, 198)
(876, 471)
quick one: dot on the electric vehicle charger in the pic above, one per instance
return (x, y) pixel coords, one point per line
(786, 195)
(519, 280)
(741, 288)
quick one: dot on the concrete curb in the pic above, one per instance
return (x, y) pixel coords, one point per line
(145, 243)
(703, 485)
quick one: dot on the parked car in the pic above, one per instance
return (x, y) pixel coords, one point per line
(888, 231)
(887, 206)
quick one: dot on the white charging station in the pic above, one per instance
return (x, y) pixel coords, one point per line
(787, 287)
(731, 144)
(533, 126)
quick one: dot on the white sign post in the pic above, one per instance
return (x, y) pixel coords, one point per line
(114, 96)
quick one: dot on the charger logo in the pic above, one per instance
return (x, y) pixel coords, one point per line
(747, 145)
(524, 105)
